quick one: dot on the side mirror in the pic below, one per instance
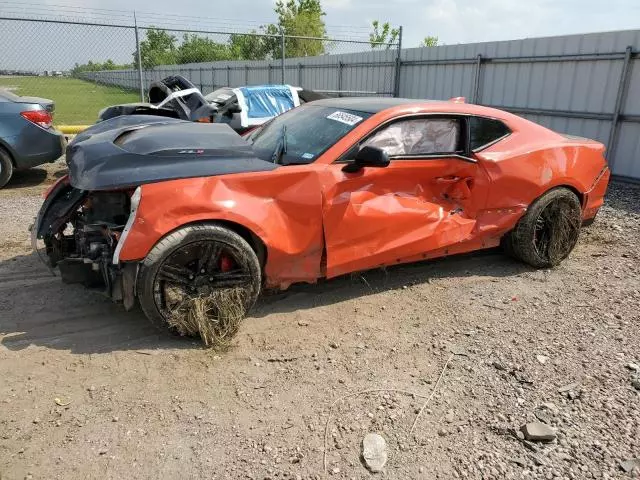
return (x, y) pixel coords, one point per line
(368, 157)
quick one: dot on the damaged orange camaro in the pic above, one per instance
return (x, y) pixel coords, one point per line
(155, 206)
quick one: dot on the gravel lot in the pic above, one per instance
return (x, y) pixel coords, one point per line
(89, 391)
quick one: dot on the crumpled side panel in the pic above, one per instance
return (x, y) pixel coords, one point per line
(522, 172)
(595, 197)
(394, 223)
(390, 215)
(283, 209)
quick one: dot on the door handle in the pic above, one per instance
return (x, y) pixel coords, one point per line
(447, 180)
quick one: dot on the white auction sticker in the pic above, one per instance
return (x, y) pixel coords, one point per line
(344, 117)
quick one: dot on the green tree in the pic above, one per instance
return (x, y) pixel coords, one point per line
(97, 66)
(429, 41)
(248, 47)
(383, 35)
(195, 49)
(297, 18)
(159, 48)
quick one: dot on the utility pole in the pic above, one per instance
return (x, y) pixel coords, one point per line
(135, 23)
(282, 45)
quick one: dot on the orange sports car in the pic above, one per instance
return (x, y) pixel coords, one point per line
(161, 210)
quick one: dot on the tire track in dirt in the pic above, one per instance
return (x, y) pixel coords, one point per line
(41, 310)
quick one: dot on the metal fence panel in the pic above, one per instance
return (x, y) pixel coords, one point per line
(632, 105)
(571, 84)
(628, 151)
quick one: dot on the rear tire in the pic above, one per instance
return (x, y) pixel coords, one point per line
(549, 231)
(6, 168)
(196, 250)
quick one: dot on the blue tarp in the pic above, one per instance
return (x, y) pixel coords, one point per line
(262, 102)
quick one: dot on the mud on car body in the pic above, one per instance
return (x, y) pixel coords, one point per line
(161, 210)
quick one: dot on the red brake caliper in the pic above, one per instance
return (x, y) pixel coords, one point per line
(226, 263)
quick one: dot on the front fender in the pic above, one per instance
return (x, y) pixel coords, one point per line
(283, 208)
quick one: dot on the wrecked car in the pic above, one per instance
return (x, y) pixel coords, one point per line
(171, 97)
(161, 210)
(243, 108)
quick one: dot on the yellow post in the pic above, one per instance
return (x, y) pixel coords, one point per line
(71, 129)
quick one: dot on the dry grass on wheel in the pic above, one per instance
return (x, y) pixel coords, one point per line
(214, 317)
(565, 227)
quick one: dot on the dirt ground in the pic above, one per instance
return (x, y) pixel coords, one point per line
(89, 391)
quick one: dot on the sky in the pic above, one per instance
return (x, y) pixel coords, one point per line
(58, 47)
(452, 21)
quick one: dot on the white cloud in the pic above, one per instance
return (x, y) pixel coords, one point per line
(459, 21)
(337, 4)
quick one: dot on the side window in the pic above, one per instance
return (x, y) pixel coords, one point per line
(484, 131)
(420, 136)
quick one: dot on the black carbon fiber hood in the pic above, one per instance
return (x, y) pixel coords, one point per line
(133, 150)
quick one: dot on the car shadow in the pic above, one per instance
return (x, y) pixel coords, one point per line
(492, 263)
(27, 178)
(39, 310)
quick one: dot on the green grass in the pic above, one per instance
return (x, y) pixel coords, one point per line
(77, 101)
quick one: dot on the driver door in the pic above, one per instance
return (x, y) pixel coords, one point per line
(425, 200)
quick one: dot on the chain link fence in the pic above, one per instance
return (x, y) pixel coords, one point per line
(85, 66)
(44, 59)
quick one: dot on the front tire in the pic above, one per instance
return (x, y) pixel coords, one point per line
(6, 168)
(196, 260)
(549, 230)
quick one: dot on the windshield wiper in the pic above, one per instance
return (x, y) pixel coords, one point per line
(281, 148)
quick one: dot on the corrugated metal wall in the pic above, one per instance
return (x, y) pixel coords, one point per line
(370, 73)
(577, 84)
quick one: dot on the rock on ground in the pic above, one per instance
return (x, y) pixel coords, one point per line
(374, 452)
(538, 432)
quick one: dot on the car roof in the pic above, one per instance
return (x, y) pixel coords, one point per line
(371, 104)
(403, 105)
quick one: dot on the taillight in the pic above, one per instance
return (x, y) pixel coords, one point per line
(39, 117)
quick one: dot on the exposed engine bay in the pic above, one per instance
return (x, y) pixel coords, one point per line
(84, 220)
(81, 231)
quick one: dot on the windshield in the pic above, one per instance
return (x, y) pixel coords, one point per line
(301, 135)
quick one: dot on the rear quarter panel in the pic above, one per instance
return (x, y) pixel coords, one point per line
(529, 163)
(10, 125)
